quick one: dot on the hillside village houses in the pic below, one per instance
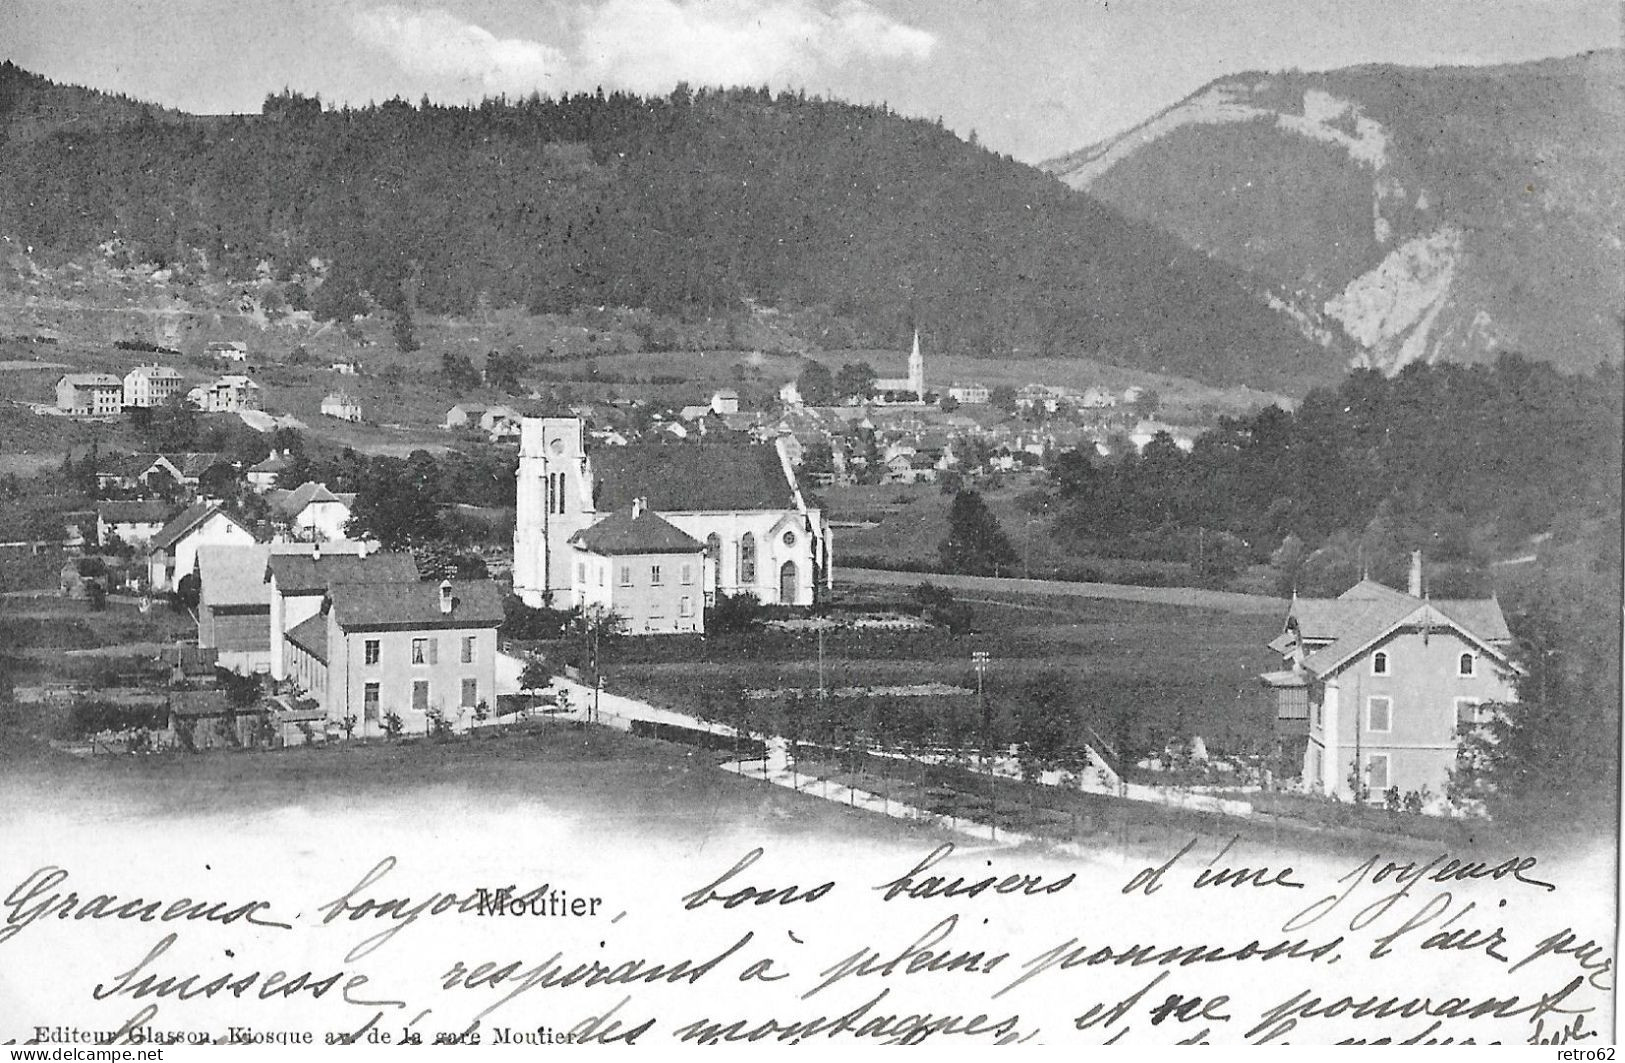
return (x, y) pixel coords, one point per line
(742, 502)
(151, 385)
(226, 394)
(342, 406)
(89, 395)
(157, 472)
(1377, 686)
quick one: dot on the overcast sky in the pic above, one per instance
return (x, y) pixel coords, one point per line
(1031, 77)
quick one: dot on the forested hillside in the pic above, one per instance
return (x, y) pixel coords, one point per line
(689, 205)
(1465, 463)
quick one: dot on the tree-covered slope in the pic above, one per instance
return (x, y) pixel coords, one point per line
(691, 205)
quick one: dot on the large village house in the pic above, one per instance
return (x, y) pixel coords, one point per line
(90, 394)
(151, 385)
(644, 570)
(1377, 686)
(298, 584)
(414, 650)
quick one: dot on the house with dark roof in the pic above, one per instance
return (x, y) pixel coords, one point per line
(1378, 686)
(172, 554)
(644, 569)
(262, 477)
(298, 584)
(135, 523)
(412, 649)
(234, 600)
(312, 512)
(741, 501)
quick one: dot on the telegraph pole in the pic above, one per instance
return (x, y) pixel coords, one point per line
(979, 659)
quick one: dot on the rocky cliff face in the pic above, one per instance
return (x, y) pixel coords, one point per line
(1424, 214)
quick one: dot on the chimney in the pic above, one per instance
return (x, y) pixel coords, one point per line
(316, 550)
(638, 506)
(1415, 587)
(445, 596)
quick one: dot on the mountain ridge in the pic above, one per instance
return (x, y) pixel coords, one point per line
(1423, 214)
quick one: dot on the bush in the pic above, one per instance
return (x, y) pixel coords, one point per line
(734, 612)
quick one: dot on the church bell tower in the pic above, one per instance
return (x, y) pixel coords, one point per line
(553, 501)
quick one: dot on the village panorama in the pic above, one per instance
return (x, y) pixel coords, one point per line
(936, 555)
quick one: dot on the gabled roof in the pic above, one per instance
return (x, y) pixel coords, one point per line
(292, 503)
(304, 574)
(235, 575)
(414, 606)
(154, 371)
(273, 464)
(1338, 630)
(144, 512)
(647, 533)
(706, 476)
(310, 636)
(188, 520)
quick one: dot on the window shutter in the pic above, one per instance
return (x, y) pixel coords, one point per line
(434, 651)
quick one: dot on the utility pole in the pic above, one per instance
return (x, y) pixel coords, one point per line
(979, 659)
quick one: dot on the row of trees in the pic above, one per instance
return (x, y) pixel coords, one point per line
(1459, 461)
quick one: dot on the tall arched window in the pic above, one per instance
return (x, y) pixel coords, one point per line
(713, 558)
(1379, 663)
(747, 558)
(1464, 665)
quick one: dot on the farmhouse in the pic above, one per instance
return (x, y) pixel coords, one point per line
(227, 351)
(741, 501)
(1378, 686)
(135, 523)
(89, 394)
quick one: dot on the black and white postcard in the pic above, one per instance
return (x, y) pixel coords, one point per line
(809, 522)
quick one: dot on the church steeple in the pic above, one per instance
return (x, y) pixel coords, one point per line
(916, 369)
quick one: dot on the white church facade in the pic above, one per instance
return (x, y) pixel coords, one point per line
(741, 501)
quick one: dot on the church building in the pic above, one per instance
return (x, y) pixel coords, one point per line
(740, 501)
(914, 383)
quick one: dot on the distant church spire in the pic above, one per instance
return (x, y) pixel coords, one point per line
(916, 369)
